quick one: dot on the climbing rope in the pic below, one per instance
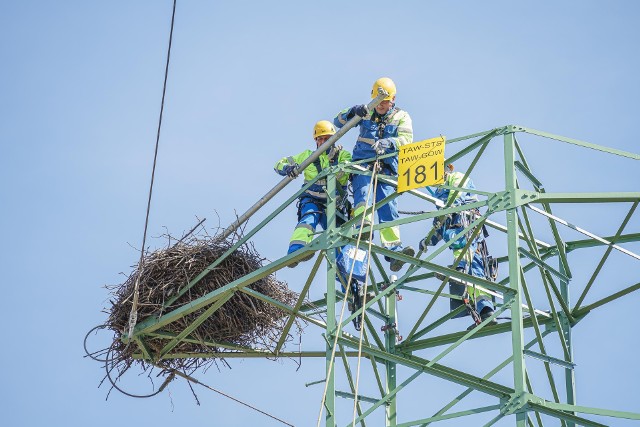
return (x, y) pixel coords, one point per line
(374, 181)
(133, 317)
(346, 297)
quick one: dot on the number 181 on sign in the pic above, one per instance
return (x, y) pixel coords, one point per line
(421, 164)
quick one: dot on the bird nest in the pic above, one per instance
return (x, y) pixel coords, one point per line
(242, 321)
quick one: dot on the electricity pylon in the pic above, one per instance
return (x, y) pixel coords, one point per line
(533, 380)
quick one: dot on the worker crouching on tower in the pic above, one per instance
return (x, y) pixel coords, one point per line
(312, 203)
(476, 261)
(382, 131)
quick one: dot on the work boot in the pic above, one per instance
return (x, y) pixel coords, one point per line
(307, 258)
(397, 264)
(486, 313)
(294, 264)
(355, 306)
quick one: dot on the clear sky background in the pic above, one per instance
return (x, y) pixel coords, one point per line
(79, 102)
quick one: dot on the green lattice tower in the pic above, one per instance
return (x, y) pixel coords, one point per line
(533, 379)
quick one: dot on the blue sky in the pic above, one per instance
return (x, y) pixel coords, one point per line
(80, 95)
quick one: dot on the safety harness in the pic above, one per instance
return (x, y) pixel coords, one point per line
(383, 121)
(343, 205)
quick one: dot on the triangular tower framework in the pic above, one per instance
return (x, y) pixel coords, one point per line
(534, 267)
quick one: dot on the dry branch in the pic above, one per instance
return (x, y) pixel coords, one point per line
(242, 321)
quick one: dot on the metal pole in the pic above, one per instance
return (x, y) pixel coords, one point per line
(570, 379)
(312, 158)
(330, 399)
(390, 344)
(517, 329)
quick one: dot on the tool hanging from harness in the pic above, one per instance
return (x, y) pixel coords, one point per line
(383, 121)
(490, 268)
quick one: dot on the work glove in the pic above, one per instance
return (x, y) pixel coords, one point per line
(381, 146)
(333, 152)
(290, 171)
(357, 110)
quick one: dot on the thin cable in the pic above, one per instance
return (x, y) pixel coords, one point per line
(364, 299)
(190, 378)
(344, 303)
(133, 317)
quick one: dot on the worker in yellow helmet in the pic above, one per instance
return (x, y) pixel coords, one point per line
(312, 203)
(382, 131)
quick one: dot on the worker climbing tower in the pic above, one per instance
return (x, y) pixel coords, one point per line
(554, 273)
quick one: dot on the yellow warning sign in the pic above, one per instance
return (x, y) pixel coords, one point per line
(421, 164)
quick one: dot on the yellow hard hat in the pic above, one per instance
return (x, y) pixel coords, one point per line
(322, 128)
(387, 84)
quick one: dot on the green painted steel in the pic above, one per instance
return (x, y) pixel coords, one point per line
(533, 290)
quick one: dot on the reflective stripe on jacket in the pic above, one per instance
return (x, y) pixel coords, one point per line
(310, 172)
(398, 130)
(454, 179)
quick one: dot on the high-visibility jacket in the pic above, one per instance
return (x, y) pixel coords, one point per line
(395, 126)
(316, 189)
(454, 179)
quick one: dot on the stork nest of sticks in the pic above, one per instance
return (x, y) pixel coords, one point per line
(242, 321)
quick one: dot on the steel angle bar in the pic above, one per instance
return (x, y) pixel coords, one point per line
(526, 170)
(387, 397)
(374, 333)
(282, 306)
(561, 415)
(246, 355)
(580, 143)
(440, 269)
(585, 232)
(540, 263)
(146, 351)
(428, 292)
(490, 374)
(296, 308)
(494, 420)
(194, 325)
(450, 315)
(587, 308)
(605, 257)
(540, 340)
(438, 370)
(451, 415)
(225, 345)
(352, 396)
(452, 337)
(482, 141)
(589, 243)
(469, 334)
(498, 131)
(550, 359)
(424, 264)
(612, 197)
(432, 214)
(590, 410)
(527, 173)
